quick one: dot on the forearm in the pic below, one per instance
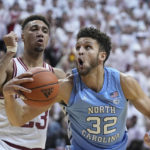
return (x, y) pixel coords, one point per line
(4, 62)
(14, 110)
(11, 44)
(19, 113)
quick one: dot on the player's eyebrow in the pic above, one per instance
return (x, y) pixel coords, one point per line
(36, 26)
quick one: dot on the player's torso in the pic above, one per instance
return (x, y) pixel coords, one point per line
(33, 133)
(98, 118)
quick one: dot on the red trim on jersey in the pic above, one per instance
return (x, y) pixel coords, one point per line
(21, 147)
(22, 63)
(51, 68)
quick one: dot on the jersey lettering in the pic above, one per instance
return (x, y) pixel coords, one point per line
(96, 122)
(31, 124)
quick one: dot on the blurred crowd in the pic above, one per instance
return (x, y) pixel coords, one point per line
(127, 22)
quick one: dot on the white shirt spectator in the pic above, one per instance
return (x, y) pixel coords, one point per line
(3, 30)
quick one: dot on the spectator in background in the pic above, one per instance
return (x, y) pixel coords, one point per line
(4, 20)
(52, 54)
(15, 11)
(56, 135)
(4, 15)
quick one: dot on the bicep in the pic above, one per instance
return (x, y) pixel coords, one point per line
(134, 93)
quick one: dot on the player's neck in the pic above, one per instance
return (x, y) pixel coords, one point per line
(95, 78)
(32, 61)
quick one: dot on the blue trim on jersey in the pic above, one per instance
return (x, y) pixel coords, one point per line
(98, 119)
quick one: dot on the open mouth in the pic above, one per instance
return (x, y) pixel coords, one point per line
(40, 41)
(80, 61)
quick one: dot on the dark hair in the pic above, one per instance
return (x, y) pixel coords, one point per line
(34, 17)
(103, 40)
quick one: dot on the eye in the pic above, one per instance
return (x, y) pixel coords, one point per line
(45, 30)
(87, 47)
(34, 29)
(77, 48)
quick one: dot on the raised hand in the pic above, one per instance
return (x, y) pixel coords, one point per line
(11, 40)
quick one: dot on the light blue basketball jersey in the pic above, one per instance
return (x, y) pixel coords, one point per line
(98, 119)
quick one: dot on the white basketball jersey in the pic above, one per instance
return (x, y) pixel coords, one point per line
(33, 133)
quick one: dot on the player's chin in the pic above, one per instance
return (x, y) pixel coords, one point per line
(82, 71)
(39, 49)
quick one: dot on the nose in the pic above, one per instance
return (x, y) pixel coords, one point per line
(40, 33)
(81, 51)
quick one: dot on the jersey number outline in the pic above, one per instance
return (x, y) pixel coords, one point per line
(98, 123)
(31, 124)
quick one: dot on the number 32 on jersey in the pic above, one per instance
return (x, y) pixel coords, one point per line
(97, 123)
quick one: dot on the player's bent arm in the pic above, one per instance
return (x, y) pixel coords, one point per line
(135, 94)
(19, 113)
(11, 44)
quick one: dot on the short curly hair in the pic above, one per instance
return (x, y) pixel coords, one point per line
(35, 17)
(103, 40)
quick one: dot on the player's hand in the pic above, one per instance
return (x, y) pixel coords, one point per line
(13, 86)
(11, 40)
(147, 139)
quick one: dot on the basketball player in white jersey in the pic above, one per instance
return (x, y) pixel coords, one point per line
(31, 135)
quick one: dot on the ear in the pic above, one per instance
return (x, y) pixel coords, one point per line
(102, 56)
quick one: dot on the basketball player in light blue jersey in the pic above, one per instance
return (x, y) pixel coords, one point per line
(96, 97)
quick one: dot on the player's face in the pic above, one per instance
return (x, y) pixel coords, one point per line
(35, 36)
(87, 51)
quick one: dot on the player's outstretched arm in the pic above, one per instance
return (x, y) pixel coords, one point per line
(10, 42)
(134, 93)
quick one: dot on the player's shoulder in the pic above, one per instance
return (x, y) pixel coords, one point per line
(129, 85)
(126, 79)
(111, 71)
